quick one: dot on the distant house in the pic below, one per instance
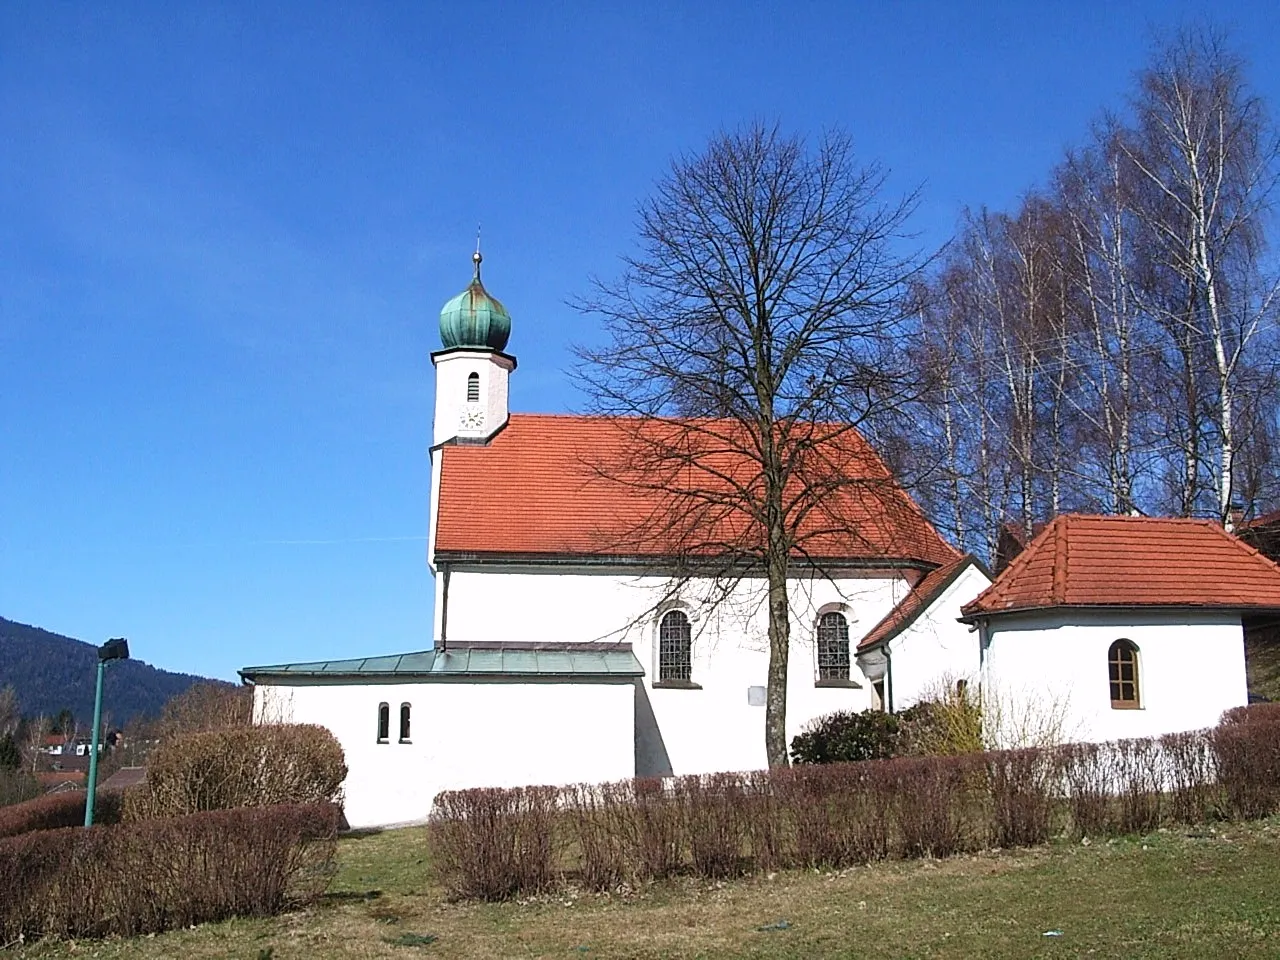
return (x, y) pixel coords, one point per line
(1122, 626)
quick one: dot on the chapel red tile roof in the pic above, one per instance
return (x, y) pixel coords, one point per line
(926, 590)
(542, 487)
(1091, 561)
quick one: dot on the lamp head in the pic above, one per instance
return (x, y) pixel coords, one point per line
(117, 649)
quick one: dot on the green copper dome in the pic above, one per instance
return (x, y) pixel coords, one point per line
(474, 318)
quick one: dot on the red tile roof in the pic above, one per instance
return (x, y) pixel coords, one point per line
(926, 590)
(1088, 561)
(547, 486)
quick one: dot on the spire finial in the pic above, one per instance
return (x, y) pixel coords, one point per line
(475, 257)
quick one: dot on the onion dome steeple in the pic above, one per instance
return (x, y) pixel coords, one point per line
(474, 318)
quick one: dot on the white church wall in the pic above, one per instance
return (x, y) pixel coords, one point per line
(937, 648)
(1050, 670)
(682, 731)
(463, 734)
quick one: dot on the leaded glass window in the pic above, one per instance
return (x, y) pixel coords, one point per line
(1122, 665)
(833, 647)
(675, 647)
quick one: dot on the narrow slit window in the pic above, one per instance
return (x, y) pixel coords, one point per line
(833, 647)
(404, 723)
(675, 648)
(1122, 666)
(384, 722)
(473, 388)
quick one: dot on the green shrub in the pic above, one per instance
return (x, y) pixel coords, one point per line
(240, 767)
(847, 737)
(141, 878)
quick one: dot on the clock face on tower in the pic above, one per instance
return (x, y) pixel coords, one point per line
(472, 418)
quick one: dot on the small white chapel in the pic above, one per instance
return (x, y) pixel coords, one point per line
(561, 656)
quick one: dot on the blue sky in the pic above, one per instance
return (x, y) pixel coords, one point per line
(226, 232)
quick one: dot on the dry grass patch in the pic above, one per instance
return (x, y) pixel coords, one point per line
(1174, 894)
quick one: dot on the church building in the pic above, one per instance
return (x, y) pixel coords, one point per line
(564, 652)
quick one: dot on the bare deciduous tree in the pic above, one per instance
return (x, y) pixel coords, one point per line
(758, 328)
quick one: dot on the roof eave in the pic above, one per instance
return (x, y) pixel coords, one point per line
(970, 561)
(571, 559)
(977, 615)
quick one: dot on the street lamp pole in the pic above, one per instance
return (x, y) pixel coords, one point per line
(117, 649)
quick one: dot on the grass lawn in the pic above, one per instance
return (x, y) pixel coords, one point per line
(1174, 894)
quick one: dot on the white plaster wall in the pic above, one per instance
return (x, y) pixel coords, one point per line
(463, 735)
(937, 648)
(452, 371)
(697, 731)
(1043, 666)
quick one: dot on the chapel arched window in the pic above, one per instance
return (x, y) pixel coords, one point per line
(675, 647)
(404, 723)
(1122, 668)
(833, 647)
(384, 722)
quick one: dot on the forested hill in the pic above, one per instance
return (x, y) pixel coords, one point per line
(51, 672)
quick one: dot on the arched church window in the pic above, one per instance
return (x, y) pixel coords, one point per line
(1122, 666)
(384, 722)
(675, 647)
(833, 647)
(404, 723)
(473, 388)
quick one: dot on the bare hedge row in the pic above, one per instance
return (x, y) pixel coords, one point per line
(494, 844)
(138, 878)
(56, 810)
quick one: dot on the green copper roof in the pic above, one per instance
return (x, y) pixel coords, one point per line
(582, 661)
(474, 318)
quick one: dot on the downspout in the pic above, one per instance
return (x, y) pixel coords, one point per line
(888, 678)
(444, 607)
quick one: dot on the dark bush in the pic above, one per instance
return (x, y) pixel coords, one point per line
(494, 844)
(58, 810)
(1021, 785)
(240, 767)
(1246, 751)
(139, 878)
(847, 737)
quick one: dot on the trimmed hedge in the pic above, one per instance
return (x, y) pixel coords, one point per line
(495, 844)
(140, 878)
(240, 767)
(59, 810)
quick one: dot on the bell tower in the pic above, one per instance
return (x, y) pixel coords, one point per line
(471, 369)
